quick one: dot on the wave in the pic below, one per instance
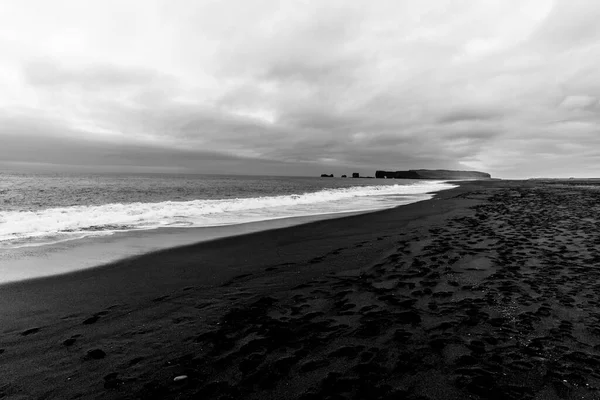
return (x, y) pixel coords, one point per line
(33, 228)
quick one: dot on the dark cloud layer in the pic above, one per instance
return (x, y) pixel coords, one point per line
(509, 87)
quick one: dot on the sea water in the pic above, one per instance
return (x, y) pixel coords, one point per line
(42, 214)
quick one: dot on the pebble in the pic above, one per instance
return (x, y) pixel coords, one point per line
(180, 378)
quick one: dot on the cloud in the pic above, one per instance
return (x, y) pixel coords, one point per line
(470, 115)
(579, 102)
(48, 143)
(510, 87)
(46, 73)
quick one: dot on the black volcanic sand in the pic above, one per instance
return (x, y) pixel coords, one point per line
(488, 291)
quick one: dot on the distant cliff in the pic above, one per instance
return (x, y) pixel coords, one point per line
(440, 174)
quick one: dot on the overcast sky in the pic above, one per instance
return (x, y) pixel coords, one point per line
(301, 87)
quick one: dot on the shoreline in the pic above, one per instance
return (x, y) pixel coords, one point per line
(22, 263)
(37, 225)
(484, 291)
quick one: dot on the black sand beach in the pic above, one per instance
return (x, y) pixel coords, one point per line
(487, 291)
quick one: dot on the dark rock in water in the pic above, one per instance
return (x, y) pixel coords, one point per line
(344, 176)
(355, 175)
(326, 176)
(441, 174)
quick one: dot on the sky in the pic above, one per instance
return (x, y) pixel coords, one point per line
(509, 87)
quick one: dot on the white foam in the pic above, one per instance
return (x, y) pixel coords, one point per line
(33, 228)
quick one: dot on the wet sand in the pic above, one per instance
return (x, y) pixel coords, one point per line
(28, 262)
(487, 291)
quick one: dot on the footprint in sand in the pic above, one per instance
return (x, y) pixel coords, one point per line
(347, 351)
(91, 320)
(313, 365)
(30, 331)
(111, 381)
(135, 360)
(95, 354)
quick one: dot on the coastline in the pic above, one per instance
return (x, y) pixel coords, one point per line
(47, 220)
(72, 255)
(409, 301)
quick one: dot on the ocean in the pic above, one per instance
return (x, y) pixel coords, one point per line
(45, 216)
(40, 209)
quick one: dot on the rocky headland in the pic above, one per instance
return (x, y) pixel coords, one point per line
(432, 174)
